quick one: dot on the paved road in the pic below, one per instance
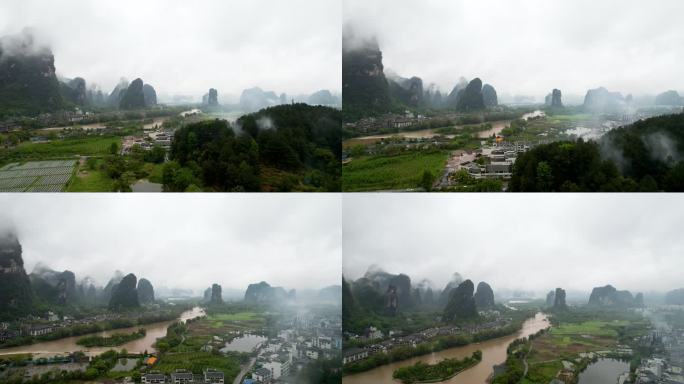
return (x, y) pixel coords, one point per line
(243, 371)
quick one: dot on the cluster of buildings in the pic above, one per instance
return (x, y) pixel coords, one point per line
(50, 322)
(658, 371)
(153, 136)
(665, 368)
(499, 160)
(181, 376)
(8, 332)
(372, 125)
(47, 119)
(301, 341)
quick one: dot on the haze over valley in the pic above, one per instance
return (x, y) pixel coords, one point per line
(493, 289)
(185, 49)
(480, 97)
(98, 287)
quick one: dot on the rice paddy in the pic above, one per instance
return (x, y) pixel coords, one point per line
(36, 176)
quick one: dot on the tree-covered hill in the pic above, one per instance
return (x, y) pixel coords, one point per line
(16, 295)
(28, 83)
(298, 143)
(645, 156)
(365, 89)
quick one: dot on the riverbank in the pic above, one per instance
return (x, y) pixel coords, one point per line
(421, 373)
(493, 353)
(435, 345)
(114, 340)
(113, 323)
(577, 340)
(68, 345)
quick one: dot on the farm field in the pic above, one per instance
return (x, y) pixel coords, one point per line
(567, 342)
(198, 361)
(224, 323)
(404, 171)
(87, 146)
(36, 176)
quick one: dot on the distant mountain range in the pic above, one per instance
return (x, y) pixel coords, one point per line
(264, 293)
(368, 89)
(22, 293)
(384, 293)
(29, 85)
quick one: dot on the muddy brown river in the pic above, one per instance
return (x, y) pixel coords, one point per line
(497, 127)
(68, 345)
(493, 353)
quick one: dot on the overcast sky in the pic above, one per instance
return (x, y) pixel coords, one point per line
(533, 242)
(186, 47)
(183, 240)
(530, 46)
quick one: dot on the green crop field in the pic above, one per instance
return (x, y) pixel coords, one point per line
(391, 172)
(221, 323)
(197, 361)
(68, 147)
(90, 181)
(594, 328)
(240, 316)
(36, 176)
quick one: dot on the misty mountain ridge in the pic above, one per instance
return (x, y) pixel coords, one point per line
(264, 293)
(369, 89)
(383, 292)
(29, 85)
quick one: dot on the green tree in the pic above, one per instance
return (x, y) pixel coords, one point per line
(357, 150)
(427, 180)
(156, 155)
(544, 177)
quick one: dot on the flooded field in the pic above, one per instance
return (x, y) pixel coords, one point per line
(245, 343)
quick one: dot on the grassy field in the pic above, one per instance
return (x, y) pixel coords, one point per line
(225, 323)
(592, 328)
(232, 317)
(566, 342)
(197, 361)
(371, 173)
(69, 147)
(90, 181)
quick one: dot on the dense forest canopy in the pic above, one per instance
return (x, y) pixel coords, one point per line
(645, 156)
(298, 140)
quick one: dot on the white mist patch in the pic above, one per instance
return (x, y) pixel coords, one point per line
(610, 152)
(26, 43)
(265, 123)
(661, 147)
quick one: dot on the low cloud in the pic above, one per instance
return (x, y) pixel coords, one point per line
(182, 241)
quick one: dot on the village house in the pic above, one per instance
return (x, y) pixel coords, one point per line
(373, 333)
(153, 378)
(181, 376)
(262, 375)
(212, 376)
(6, 334)
(277, 368)
(311, 353)
(323, 342)
(354, 354)
(39, 330)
